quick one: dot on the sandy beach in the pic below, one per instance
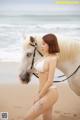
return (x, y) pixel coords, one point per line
(16, 98)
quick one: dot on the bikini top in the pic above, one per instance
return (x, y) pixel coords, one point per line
(39, 66)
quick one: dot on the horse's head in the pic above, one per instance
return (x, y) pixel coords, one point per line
(29, 56)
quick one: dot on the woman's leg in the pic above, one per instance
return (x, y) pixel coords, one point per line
(48, 114)
(37, 109)
(43, 105)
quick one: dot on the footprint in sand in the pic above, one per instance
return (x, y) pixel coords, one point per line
(57, 111)
(74, 115)
(18, 107)
(67, 113)
(20, 118)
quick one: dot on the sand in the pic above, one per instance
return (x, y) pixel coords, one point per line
(16, 98)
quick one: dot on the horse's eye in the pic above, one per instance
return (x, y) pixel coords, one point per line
(28, 54)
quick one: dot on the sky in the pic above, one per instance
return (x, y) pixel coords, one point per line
(38, 6)
(27, 1)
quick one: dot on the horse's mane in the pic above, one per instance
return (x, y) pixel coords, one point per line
(69, 48)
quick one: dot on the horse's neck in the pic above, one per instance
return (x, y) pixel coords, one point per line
(68, 49)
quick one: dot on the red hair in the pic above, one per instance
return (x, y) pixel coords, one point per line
(52, 42)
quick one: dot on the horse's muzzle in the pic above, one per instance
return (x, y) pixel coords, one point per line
(25, 78)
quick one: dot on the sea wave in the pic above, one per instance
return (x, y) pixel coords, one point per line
(12, 35)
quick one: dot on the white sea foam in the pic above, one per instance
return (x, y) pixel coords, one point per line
(13, 29)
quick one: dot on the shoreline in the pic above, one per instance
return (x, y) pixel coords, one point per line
(9, 73)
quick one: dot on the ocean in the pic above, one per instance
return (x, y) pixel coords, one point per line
(13, 28)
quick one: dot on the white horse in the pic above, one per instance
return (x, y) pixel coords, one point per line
(68, 62)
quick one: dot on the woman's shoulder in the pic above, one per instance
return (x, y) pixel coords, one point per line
(53, 58)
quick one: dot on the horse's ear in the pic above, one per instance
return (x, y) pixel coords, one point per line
(32, 39)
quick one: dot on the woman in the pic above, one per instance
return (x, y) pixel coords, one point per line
(45, 67)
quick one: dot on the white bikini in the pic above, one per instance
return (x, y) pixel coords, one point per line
(39, 66)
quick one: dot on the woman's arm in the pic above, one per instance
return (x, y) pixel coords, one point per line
(52, 66)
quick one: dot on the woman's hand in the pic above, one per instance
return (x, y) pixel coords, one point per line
(36, 98)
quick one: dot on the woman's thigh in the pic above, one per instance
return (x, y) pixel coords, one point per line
(51, 96)
(46, 101)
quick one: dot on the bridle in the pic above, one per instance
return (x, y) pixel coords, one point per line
(34, 53)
